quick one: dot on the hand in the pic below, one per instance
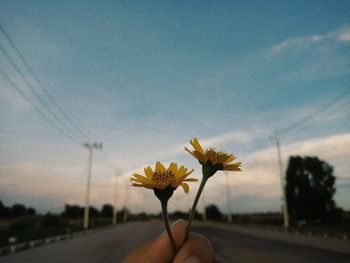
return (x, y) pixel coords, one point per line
(196, 249)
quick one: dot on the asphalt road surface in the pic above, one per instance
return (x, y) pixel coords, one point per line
(237, 247)
(231, 245)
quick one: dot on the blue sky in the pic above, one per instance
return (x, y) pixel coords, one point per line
(144, 78)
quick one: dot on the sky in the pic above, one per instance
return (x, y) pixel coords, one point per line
(145, 77)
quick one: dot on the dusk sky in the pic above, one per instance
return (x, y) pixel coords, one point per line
(145, 77)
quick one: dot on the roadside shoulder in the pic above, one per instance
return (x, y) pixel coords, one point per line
(337, 245)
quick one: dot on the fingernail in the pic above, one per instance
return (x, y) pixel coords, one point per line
(192, 259)
(179, 221)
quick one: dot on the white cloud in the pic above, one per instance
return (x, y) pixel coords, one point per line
(218, 140)
(239, 137)
(344, 35)
(341, 35)
(50, 188)
(313, 57)
(28, 182)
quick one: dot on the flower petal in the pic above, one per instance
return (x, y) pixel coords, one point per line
(149, 172)
(187, 150)
(233, 167)
(140, 177)
(173, 168)
(159, 167)
(185, 187)
(200, 157)
(191, 180)
(197, 146)
(229, 159)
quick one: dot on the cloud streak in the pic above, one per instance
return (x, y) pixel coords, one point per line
(341, 36)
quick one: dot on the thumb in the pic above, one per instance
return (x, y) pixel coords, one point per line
(163, 243)
(160, 249)
(197, 249)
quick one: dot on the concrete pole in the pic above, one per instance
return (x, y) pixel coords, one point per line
(87, 196)
(283, 187)
(114, 218)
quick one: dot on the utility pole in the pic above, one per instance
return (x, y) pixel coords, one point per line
(283, 187)
(228, 200)
(87, 197)
(115, 194)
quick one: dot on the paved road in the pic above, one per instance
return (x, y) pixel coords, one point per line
(111, 245)
(237, 247)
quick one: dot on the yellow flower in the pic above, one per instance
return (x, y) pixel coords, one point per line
(162, 178)
(219, 160)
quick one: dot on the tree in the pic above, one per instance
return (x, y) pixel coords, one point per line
(107, 210)
(53, 220)
(18, 210)
(31, 211)
(93, 211)
(73, 211)
(310, 189)
(5, 212)
(212, 212)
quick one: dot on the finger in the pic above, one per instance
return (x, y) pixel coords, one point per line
(196, 249)
(163, 243)
(159, 249)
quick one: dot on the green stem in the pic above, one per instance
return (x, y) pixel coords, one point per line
(166, 223)
(199, 192)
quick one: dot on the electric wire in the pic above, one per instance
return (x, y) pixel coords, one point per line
(107, 160)
(35, 107)
(35, 77)
(324, 115)
(36, 94)
(296, 126)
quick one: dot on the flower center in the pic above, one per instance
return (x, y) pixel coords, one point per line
(162, 176)
(221, 154)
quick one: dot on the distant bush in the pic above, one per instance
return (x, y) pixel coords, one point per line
(73, 211)
(18, 210)
(107, 210)
(25, 222)
(53, 220)
(179, 214)
(259, 218)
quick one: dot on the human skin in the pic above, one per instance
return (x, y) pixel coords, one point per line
(195, 249)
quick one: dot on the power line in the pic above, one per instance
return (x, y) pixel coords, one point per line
(36, 94)
(31, 71)
(297, 125)
(326, 114)
(108, 160)
(36, 108)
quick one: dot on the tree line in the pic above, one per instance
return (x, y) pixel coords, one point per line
(70, 211)
(310, 189)
(15, 211)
